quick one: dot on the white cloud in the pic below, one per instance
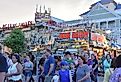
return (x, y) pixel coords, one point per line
(22, 10)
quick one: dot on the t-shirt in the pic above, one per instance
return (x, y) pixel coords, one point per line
(47, 63)
(3, 63)
(55, 78)
(64, 75)
(28, 64)
(95, 62)
(106, 64)
(81, 72)
(69, 61)
(115, 76)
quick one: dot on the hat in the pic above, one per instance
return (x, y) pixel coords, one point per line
(63, 63)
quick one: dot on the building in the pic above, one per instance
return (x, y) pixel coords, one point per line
(106, 15)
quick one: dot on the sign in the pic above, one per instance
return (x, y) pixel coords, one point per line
(73, 35)
(97, 37)
(17, 25)
(64, 35)
(80, 34)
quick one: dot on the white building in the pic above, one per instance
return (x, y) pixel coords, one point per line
(106, 15)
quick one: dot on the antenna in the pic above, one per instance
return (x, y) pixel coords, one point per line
(44, 7)
(36, 7)
(40, 8)
(49, 9)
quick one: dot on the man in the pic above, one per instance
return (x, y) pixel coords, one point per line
(49, 66)
(3, 66)
(68, 57)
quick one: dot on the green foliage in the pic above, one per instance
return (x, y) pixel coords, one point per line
(15, 41)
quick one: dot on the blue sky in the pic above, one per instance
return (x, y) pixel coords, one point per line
(15, 11)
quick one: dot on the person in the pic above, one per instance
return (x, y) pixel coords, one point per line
(3, 66)
(41, 66)
(55, 77)
(57, 61)
(8, 58)
(109, 72)
(68, 57)
(64, 73)
(32, 58)
(83, 71)
(107, 62)
(15, 71)
(94, 71)
(116, 76)
(73, 69)
(28, 67)
(49, 66)
(74, 58)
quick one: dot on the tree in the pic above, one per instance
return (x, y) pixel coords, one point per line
(15, 41)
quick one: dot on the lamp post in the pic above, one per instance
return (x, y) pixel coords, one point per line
(89, 27)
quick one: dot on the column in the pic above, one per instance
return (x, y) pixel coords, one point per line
(99, 25)
(106, 24)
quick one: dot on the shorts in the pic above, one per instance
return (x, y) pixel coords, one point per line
(28, 74)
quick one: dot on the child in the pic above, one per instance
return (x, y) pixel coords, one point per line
(64, 73)
(72, 69)
(55, 77)
(119, 78)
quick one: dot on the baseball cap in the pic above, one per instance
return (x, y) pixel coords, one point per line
(63, 63)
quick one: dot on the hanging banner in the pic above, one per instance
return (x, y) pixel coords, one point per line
(64, 35)
(97, 37)
(80, 35)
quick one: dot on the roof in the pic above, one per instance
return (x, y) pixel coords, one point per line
(118, 6)
(84, 13)
(103, 2)
(56, 19)
(106, 1)
(73, 21)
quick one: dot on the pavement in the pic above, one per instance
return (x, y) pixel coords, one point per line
(100, 78)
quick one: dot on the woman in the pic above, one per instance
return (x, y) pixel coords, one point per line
(109, 72)
(41, 66)
(94, 72)
(107, 62)
(83, 71)
(28, 68)
(116, 76)
(57, 61)
(15, 71)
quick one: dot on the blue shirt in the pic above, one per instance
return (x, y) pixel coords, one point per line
(47, 63)
(3, 63)
(64, 76)
(81, 72)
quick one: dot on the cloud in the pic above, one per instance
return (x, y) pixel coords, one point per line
(22, 10)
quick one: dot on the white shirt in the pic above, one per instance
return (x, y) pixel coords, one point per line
(13, 69)
(55, 78)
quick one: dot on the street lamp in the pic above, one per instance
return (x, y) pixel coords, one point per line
(89, 27)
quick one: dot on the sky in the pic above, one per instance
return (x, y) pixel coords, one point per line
(18, 11)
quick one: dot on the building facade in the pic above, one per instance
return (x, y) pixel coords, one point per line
(106, 15)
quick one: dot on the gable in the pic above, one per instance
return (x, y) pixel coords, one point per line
(97, 9)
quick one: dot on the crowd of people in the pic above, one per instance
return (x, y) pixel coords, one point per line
(70, 68)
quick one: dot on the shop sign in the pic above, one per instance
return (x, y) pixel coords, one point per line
(64, 35)
(19, 25)
(97, 37)
(79, 34)
(73, 35)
